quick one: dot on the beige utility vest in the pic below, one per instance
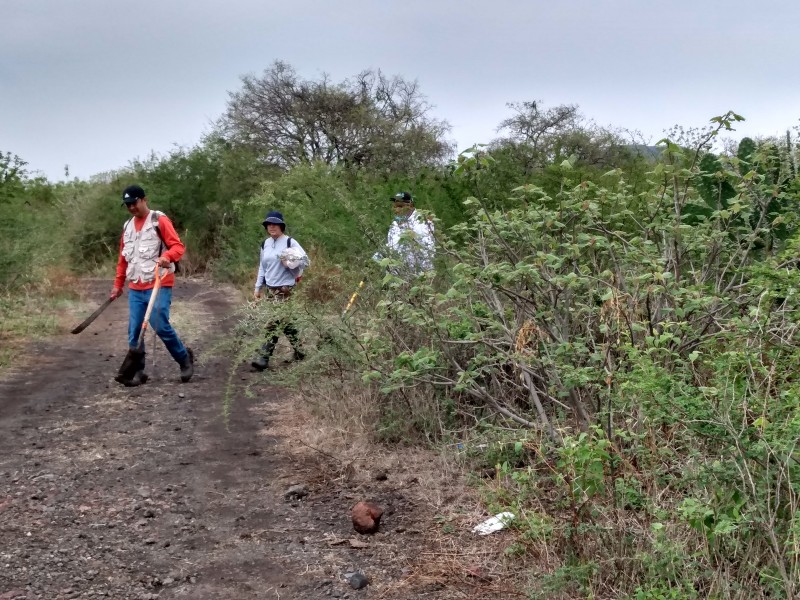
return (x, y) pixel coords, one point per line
(141, 249)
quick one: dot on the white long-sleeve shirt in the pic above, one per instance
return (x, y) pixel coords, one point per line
(412, 240)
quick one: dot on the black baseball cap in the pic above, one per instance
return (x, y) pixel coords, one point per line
(132, 194)
(402, 197)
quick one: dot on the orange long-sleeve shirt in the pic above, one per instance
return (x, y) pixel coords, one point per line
(173, 254)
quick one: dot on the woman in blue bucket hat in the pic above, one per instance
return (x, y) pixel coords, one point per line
(280, 267)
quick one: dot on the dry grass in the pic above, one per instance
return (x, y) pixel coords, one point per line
(466, 566)
(337, 448)
(331, 422)
(323, 284)
(34, 312)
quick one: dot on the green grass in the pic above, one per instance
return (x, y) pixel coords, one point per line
(25, 318)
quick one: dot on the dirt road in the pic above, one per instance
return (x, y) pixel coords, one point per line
(143, 493)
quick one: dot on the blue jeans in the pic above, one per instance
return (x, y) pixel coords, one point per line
(159, 321)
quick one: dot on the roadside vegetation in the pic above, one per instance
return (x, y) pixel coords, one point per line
(609, 342)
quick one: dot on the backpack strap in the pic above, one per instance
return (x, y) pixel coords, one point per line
(288, 243)
(155, 215)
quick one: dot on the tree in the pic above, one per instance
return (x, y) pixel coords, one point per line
(12, 176)
(531, 124)
(371, 120)
(538, 136)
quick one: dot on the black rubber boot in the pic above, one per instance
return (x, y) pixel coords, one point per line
(261, 363)
(187, 366)
(138, 378)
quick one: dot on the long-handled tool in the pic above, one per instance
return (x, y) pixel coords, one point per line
(353, 298)
(93, 316)
(133, 359)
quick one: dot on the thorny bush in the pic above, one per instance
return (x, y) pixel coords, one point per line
(650, 339)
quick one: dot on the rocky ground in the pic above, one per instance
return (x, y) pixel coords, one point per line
(150, 492)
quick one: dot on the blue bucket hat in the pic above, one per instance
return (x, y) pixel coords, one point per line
(273, 218)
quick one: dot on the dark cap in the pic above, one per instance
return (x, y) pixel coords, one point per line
(402, 197)
(273, 217)
(131, 194)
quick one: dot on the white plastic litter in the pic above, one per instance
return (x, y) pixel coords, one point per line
(492, 524)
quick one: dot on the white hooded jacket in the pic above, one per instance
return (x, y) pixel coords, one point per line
(412, 240)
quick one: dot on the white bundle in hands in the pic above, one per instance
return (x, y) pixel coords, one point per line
(292, 258)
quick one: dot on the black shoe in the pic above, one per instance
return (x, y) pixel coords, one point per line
(139, 378)
(187, 366)
(260, 363)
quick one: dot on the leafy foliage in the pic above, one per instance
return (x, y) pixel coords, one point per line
(650, 338)
(29, 213)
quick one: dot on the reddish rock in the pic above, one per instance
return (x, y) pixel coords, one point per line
(366, 517)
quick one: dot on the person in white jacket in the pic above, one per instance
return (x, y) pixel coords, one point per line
(410, 237)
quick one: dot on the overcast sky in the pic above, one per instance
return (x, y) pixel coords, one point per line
(94, 84)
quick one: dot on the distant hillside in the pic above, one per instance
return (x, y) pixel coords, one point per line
(648, 152)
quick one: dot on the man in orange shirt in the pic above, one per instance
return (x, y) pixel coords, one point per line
(149, 242)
